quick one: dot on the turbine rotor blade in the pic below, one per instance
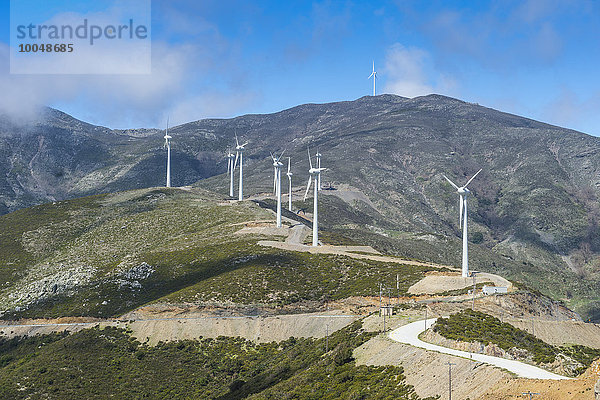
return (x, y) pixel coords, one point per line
(274, 180)
(473, 177)
(236, 159)
(309, 160)
(308, 186)
(237, 143)
(281, 155)
(289, 162)
(450, 182)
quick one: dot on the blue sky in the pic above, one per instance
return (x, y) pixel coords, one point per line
(226, 58)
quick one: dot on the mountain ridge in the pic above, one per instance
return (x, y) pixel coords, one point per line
(535, 203)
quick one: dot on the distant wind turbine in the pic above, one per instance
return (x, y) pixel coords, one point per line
(167, 145)
(314, 172)
(289, 176)
(277, 166)
(239, 153)
(374, 75)
(230, 170)
(463, 192)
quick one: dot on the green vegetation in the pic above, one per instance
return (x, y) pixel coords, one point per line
(107, 363)
(278, 278)
(474, 326)
(188, 242)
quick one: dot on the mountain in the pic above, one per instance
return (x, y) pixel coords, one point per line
(533, 210)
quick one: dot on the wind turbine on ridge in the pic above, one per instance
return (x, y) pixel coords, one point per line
(167, 145)
(463, 192)
(289, 176)
(374, 75)
(314, 172)
(277, 166)
(230, 170)
(239, 153)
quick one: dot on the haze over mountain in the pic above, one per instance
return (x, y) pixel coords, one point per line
(533, 213)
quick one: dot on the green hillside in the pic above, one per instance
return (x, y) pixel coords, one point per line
(105, 255)
(100, 364)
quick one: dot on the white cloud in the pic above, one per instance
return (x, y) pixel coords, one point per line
(408, 72)
(568, 109)
(186, 69)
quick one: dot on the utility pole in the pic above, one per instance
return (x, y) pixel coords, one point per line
(398, 287)
(530, 394)
(450, 364)
(473, 307)
(327, 338)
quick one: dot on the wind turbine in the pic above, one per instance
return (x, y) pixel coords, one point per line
(374, 75)
(318, 156)
(230, 170)
(239, 153)
(167, 145)
(289, 176)
(463, 192)
(316, 172)
(277, 166)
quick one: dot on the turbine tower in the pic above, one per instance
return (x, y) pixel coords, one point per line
(239, 153)
(463, 192)
(230, 170)
(374, 75)
(167, 145)
(277, 167)
(314, 172)
(318, 156)
(289, 176)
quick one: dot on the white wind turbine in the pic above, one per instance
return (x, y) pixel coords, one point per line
(316, 172)
(277, 170)
(463, 192)
(289, 176)
(374, 75)
(239, 153)
(167, 145)
(318, 157)
(230, 170)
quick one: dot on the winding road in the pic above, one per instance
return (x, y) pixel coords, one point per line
(409, 334)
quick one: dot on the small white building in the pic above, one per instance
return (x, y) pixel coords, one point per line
(488, 290)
